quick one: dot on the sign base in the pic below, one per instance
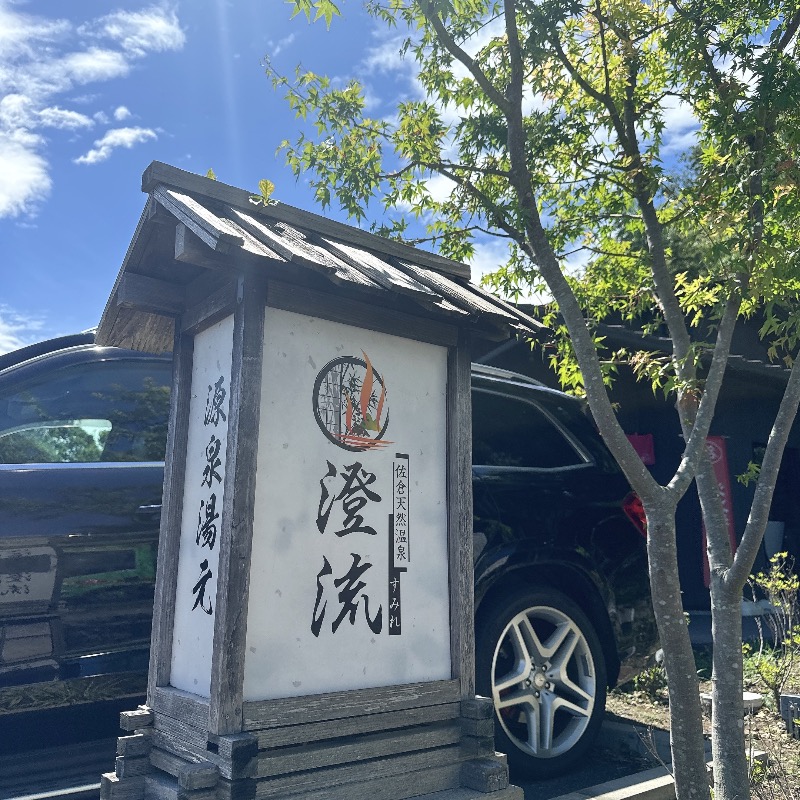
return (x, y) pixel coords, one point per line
(162, 758)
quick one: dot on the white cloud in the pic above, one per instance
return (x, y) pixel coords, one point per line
(680, 126)
(42, 61)
(17, 330)
(139, 32)
(276, 48)
(16, 111)
(440, 187)
(113, 139)
(94, 64)
(576, 262)
(676, 143)
(64, 119)
(24, 175)
(678, 115)
(23, 34)
(386, 57)
(490, 255)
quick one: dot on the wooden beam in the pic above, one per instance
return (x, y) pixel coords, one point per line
(109, 332)
(201, 220)
(191, 249)
(188, 709)
(303, 733)
(360, 747)
(150, 294)
(420, 773)
(383, 273)
(292, 246)
(262, 714)
(216, 305)
(138, 330)
(155, 212)
(349, 311)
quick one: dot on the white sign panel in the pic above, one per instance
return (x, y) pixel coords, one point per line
(27, 575)
(193, 634)
(349, 573)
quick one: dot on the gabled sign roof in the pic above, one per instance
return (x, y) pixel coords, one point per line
(192, 225)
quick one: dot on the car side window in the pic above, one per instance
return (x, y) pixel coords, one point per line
(105, 411)
(510, 432)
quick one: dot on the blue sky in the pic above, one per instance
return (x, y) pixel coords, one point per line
(91, 92)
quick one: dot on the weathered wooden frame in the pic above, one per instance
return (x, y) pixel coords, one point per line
(249, 298)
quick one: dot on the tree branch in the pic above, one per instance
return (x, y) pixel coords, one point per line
(629, 104)
(496, 214)
(603, 99)
(466, 229)
(696, 421)
(437, 166)
(710, 68)
(665, 289)
(461, 55)
(762, 500)
(791, 29)
(607, 78)
(537, 247)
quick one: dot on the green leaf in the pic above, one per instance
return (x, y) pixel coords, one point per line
(315, 9)
(266, 188)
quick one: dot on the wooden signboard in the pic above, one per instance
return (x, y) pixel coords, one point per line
(203, 502)
(349, 569)
(313, 624)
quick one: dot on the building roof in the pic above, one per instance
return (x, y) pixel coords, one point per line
(192, 225)
(749, 355)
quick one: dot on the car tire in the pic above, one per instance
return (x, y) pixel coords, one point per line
(539, 658)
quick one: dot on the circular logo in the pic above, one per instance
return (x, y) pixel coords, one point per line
(350, 403)
(714, 452)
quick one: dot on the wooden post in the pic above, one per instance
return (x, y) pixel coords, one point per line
(236, 534)
(459, 506)
(171, 512)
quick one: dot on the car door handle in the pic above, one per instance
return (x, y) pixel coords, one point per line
(149, 510)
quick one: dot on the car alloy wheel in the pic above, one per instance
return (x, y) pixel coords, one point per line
(540, 661)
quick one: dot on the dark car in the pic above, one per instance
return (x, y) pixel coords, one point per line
(82, 439)
(561, 589)
(562, 593)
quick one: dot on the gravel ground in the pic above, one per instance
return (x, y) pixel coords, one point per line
(602, 765)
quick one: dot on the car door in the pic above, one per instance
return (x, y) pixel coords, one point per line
(529, 468)
(82, 439)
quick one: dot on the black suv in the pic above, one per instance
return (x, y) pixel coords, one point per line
(561, 589)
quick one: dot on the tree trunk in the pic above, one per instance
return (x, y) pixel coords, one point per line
(731, 779)
(688, 760)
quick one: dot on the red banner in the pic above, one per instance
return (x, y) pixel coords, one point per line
(643, 445)
(718, 453)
